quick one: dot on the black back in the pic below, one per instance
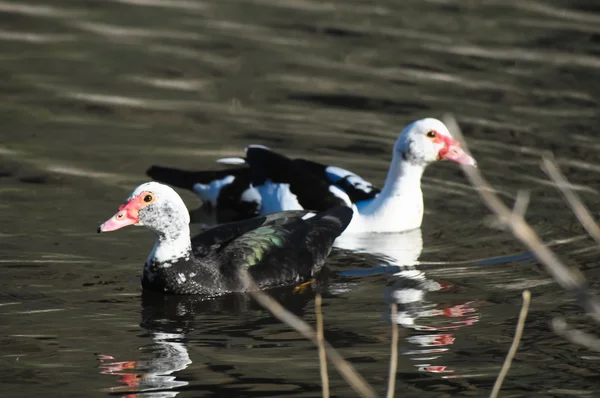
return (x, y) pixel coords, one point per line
(276, 250)
(290, 252)
(308, 180)
(355, 193)
(311, 191)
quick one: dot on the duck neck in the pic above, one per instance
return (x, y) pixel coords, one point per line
(403, 179)
(171, 247)
(399, 206)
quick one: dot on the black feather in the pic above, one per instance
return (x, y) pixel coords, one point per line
(312, 193)
(230, 206)
(308, 180)
(279, 250)
(355, 194)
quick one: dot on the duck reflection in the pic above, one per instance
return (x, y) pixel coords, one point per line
(398, 254)
(168, 320)
(166, 354)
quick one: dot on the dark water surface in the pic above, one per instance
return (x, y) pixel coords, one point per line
(95, 91)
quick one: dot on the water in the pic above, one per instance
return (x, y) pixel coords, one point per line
(94, 92)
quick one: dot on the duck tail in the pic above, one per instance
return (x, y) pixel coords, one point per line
(325, 227)
(175, 177)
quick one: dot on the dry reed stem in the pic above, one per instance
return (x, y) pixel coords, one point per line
(575, 336)
(580, 210)
(514, 346)
(320, 340)
(521, 204)
(346, 369)
(394, 354)
(569, 278)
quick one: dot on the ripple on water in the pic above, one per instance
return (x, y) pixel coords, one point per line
(95, 94)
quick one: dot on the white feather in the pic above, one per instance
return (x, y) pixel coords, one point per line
(232, 161)
(308, 215)
(399, 206)
(251, 195)
(210, 192)
(277, 197)
(166, 252)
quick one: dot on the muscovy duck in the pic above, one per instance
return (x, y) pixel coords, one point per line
(273, 182)
(280, 249)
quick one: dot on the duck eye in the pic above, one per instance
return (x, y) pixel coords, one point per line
(148, 198)
(431, 134)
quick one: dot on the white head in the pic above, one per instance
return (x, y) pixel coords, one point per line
(427, 140)
(155, 206)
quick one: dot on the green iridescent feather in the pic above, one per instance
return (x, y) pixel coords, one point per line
(258, 242)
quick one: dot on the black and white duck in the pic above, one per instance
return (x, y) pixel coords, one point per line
(280, 249)
(269, 182)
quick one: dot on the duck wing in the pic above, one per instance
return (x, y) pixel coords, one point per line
(284, 253)
(283, 185)
(212, 240)
(357, 188)
(220, 189)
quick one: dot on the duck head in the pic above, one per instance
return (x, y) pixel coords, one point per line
(427, 140)
(155, 206)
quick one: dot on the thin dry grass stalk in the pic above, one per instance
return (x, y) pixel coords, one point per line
(514, 346)
(581, 211)
(346, 369)
(320, 342)
(569, 278)
(394, 353)
(562, 328)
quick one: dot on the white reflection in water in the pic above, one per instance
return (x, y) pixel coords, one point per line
(399, 254)
(144, 377)
(400, 249)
